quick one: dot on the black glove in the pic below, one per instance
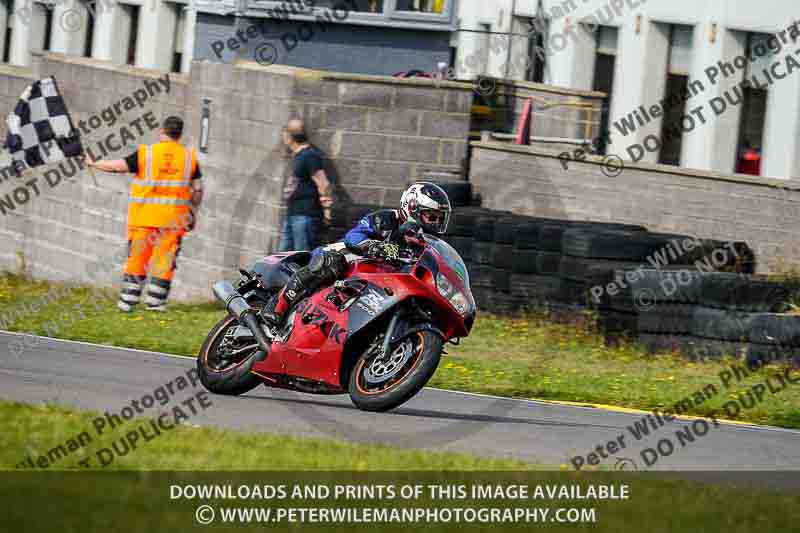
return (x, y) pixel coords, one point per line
(410, 229)
(383, 250)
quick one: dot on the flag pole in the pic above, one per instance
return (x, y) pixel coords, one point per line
(84, 154)
(94, 178)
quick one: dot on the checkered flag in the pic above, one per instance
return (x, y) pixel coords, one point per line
(40, 130)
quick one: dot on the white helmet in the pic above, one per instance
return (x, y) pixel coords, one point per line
(427, 205)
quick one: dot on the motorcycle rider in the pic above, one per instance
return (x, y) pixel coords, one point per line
(377, 235)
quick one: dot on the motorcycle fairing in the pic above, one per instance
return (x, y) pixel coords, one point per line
(317, 346)
(370, 304)
(314, 348)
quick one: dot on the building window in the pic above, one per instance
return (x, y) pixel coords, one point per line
(751, 131)
(537, 52)
(604, 64)
(180, 29)
(89, 42)
(361, 6)
(680, 49)
(39, 16)
(48, 29)
(484, 40)
(421, 6)
(535, 72)
(7, 36)
(607, 40)
(400, 13)
(133, 32)
(754, 107)
(680, 59)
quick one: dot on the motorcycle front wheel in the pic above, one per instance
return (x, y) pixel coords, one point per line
(383, 383)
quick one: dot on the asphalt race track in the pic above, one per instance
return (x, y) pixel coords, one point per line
(103, 378)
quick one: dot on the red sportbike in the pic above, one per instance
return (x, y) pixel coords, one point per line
(376, 334)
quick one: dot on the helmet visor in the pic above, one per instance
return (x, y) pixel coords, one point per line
(434, 220)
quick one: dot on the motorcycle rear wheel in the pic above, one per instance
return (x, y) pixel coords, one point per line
(405, 382)
(232, 379)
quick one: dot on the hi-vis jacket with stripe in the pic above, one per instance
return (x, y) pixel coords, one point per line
(161, 193)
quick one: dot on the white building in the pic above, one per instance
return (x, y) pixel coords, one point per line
(641, 52)
(168, 34)
(644, 51)
(145, 33)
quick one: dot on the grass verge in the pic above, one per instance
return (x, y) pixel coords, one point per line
(34, 431)
(521, 357)
(135, 491)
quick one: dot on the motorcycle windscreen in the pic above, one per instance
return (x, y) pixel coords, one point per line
(447, 255)
(443, 261)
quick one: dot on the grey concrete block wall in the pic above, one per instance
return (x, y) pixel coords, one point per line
(78, 225)
(760, 211)
(75, 229)
(13, 81)
(557, 112)
(382, 133)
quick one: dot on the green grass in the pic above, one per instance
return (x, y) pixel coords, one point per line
(133, 492)
(31, 431)
(521, 357)
(531, 357)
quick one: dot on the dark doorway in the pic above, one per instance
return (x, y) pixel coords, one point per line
(87, 47)
(48, 28)
(604, 82)
(536, 53)
(751, 129)
(671, 127)
(131, 59)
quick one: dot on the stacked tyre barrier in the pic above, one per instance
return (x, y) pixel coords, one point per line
(598, 262)
(706, 315)
(668, 291)
(471, 233)
(459, 192)
(701, 300)
(518, 262)
(553, 260)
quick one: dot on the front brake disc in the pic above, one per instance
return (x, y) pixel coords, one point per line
(384, 368)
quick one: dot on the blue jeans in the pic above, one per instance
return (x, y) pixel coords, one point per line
(298, 234)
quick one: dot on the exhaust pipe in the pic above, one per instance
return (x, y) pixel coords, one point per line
(238, 307)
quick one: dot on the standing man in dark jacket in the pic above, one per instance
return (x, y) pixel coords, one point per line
(307, 192)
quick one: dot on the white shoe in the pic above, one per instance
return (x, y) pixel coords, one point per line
(160, 308)
(124, 307)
